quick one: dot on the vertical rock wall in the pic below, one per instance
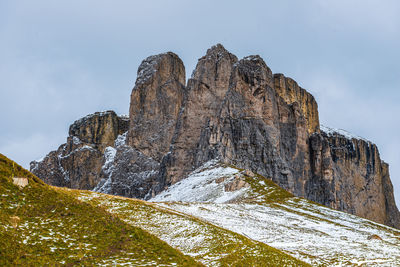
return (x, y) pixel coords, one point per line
(155, 103)
(205, 93)
(289, 90)
(348, 175)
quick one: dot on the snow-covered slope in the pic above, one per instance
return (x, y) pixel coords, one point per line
(264, 212)
(206, 184)
(209, 244)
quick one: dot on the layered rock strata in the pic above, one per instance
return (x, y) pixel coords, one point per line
(233, 110)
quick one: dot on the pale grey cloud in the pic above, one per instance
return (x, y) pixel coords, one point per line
(61, 60)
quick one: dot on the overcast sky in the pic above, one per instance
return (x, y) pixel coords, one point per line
(61, 60)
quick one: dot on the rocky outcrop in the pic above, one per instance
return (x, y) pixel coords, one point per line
(244, 122)
(348, 175)
(155, 103)
(127, 171)
(78, 163)
(205, 93)
(234, 111)
(289, 90)
(99, 129)
(236, 184)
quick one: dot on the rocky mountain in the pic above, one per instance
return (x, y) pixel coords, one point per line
(235, 111)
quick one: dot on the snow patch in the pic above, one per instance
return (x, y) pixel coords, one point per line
(147, 69)
(105, 184)
(82, 148)
(76, 140)
(109, 155)
(121, 139)
(312, 233)
(65, 174)
(40, 160)
(124, 116)
(206, 184)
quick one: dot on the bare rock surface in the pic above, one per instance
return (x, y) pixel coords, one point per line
(127, 171)
(291, 92)
(155, 103)
(348, 175)
(99, 129)
(234, 111)
(21, 182)
(78, 163)
(206, 91)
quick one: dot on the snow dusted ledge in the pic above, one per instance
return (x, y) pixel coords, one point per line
(340, 132)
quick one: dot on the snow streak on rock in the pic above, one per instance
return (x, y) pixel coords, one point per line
(104, 186)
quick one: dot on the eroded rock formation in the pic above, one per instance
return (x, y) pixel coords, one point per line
(289, 90)
(233, 110)
(155, 103)
(205, 93)
(348, 175)
(78, 162)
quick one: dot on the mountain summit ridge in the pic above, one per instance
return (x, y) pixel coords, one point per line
(241, 113)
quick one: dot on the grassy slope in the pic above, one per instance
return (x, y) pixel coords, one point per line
(205, 242)
(54, 227)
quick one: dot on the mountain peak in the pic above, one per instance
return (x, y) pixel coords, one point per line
(167, 65)
(217, 48)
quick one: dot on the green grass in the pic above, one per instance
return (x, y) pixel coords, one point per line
(263, 190)
(53, 227)
(267, 191)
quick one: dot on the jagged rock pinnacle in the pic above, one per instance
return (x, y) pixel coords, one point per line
(155, 102)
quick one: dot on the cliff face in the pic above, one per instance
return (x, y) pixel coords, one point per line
(233, 110)
(155, 103)
(252, 128)
(289, 90)
(205, 93)
(348, 175)
(99, 130)
(96, 157)
(77, 163)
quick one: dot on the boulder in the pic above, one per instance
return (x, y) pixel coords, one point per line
(21, 182)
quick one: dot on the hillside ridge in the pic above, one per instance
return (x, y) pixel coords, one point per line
(43, 225)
